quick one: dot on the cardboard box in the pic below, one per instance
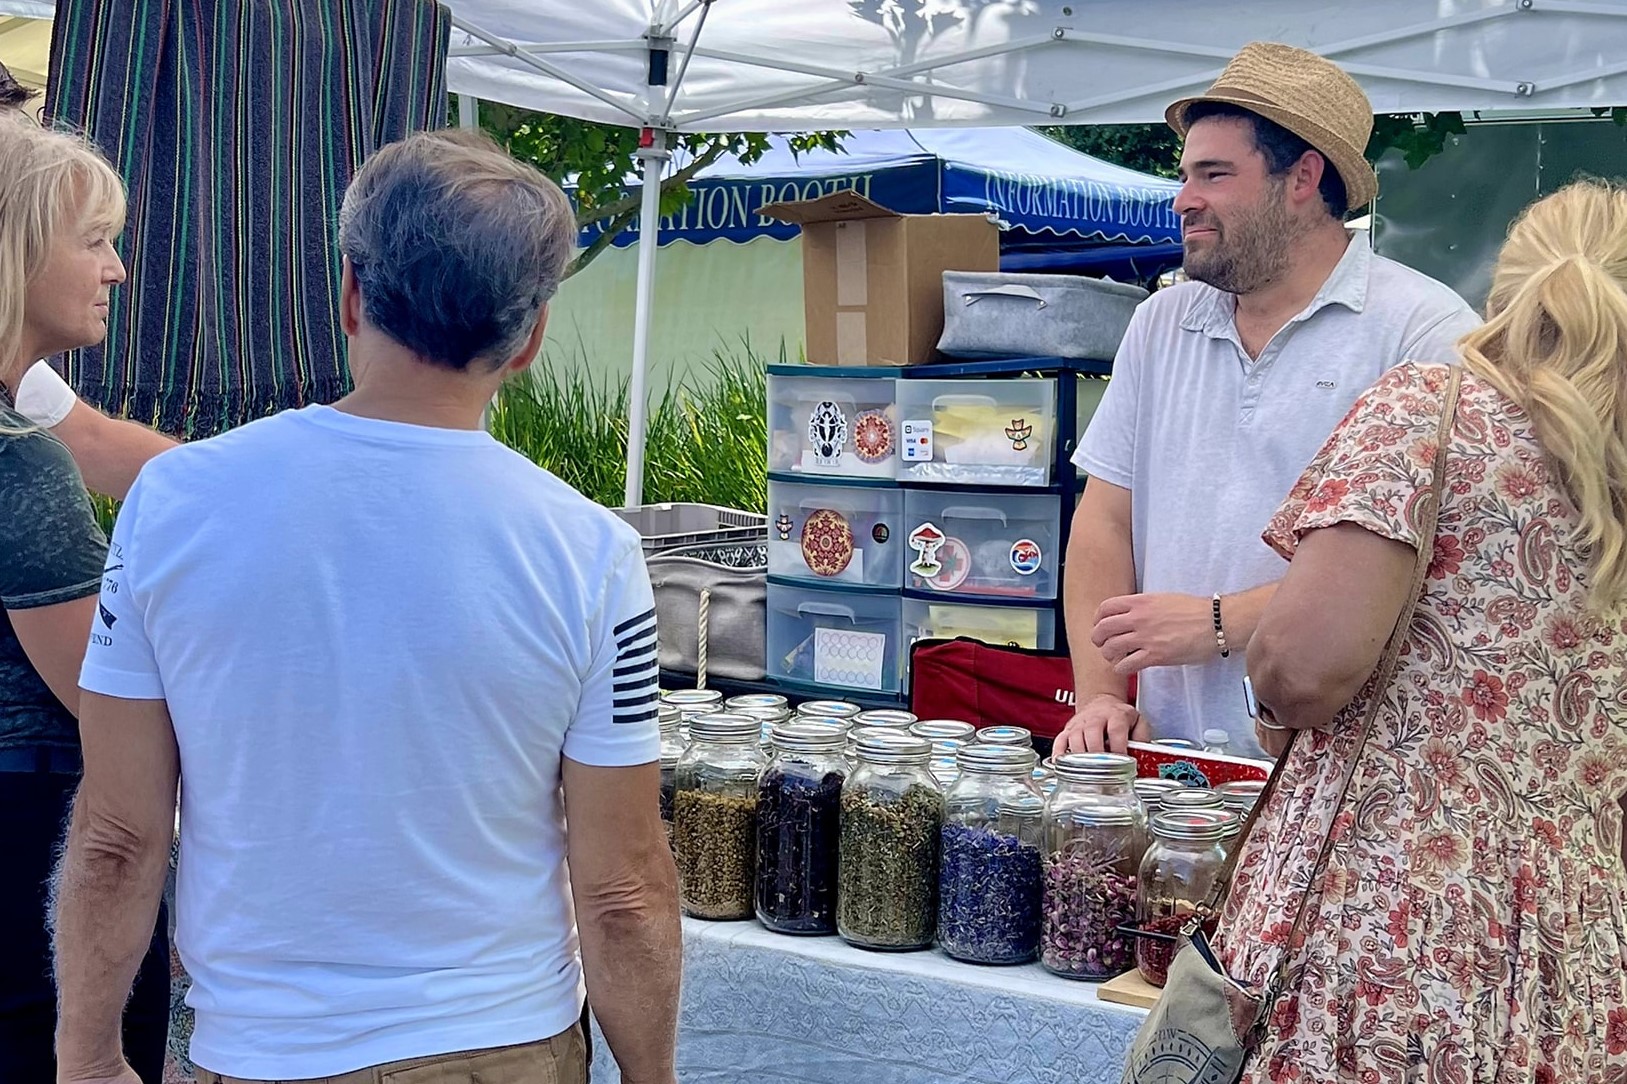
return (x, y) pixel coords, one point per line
(872, 279)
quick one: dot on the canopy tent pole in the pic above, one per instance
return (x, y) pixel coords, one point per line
(655, 156)
(468, 111)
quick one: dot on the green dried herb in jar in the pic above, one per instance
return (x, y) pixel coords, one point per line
(892, 813)
(714, 817)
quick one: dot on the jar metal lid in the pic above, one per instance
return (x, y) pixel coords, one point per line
(884, 746)
(668, 716)
(1095, 768)
(1092, 815)
(944, 770)
(1005, 735)
(1216, 736)
(1152, 791)
(756, 700)
(1193, 798)
(765, 712)
(1193, 825)
(808, 736)
(829, 709)
(1175, 743)
(1242, 794)
(725, 728)
(889, 717)
(945, 747)
(995, 759)
(692, 697)
(940, 729)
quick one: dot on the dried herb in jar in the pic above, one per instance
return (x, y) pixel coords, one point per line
(989, 896)
(798, 832)
(713, 840)
(1086, 902)
(1154, 954)
(887, 896)
(669, 776)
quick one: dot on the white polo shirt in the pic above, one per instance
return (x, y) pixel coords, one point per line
(1209, 441)
(376, 641)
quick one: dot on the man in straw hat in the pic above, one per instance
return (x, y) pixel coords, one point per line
(1223, 390)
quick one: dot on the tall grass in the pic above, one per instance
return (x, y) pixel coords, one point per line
(707, 433)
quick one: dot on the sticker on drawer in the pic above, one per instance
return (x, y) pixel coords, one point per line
(916, 446)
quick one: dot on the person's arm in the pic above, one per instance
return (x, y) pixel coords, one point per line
(110, 880)
(1100, 565)
(53, 638)
(110, 452)
(1134, 632)
(625, 887)
(1325, 629)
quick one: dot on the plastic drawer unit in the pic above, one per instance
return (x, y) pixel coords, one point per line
(833, 639)
(1005, 545)
(1013, 626)
(827, 534)
(987, 432)
(835, 426)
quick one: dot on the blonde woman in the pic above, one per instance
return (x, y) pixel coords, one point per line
(61, 206)
(1470, 925)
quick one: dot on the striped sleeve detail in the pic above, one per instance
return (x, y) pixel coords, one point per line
(635, 697)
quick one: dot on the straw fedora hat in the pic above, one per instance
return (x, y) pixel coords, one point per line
(1307, 95)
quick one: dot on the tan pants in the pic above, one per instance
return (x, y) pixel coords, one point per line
(560, 1060)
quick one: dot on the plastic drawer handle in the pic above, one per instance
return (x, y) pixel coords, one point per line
(963, 399)
(827, 609)
(966, 511)
(1013, 290)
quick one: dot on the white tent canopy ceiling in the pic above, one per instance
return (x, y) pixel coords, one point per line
(772, 65)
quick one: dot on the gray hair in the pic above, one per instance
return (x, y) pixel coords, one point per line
(456, 246)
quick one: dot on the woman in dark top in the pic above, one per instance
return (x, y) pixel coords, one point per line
(61, 206)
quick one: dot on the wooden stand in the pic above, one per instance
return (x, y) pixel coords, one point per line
(1129, 989)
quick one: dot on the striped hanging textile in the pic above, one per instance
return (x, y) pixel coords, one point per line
(236, 126)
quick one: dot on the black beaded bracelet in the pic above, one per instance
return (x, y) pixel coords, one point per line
(1220, 631)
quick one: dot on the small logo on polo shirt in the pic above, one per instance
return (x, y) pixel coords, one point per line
(1327, 385)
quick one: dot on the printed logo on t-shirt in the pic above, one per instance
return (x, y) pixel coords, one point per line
(1327, 384)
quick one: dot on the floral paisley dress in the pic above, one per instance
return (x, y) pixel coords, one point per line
(1471, 924)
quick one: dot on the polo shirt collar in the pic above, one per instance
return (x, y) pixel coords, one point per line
(1215, 313)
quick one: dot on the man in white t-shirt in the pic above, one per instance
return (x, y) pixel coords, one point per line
(1223, 390)
(387, 658)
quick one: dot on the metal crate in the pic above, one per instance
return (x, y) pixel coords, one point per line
(668, 526)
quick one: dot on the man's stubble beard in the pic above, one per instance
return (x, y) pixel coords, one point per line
(1250, 252)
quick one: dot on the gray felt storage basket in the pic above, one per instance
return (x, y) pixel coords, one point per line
(736, 576)
(990, 314)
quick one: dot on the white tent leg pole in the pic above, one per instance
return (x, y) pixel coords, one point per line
(468, 111)
(649, 227)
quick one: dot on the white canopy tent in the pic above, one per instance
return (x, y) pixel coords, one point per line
(773, 65)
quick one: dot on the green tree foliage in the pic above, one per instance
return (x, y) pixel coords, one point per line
(598, 159)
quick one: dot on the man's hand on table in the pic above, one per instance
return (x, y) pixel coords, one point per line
(1103, 724)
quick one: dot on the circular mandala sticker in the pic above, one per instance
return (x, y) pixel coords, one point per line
(872, 436)
(827, 542)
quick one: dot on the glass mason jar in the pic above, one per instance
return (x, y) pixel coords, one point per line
(828, 709)
(892, 811)
(693, 702)
(945, 770)
(768, 717)
(757, 700)
(1232, 837)
(943, 730)
(672, 747)
(1151, 792)
(799, 811)
(1240, 797)
(989, 868)
(1176, 876)
(1185, 799)
(1019, 736)
(891, 718)
(1092, 853)
(1101, 779)
(714, 815)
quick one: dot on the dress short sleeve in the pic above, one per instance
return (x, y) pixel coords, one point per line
(1376, 465)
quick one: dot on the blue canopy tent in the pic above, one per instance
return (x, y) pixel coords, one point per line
(1060, 210)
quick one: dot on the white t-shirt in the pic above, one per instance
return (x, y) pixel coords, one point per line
(376, 641)
(1209, 442)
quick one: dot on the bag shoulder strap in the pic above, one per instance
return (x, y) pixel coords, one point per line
(1429, 517)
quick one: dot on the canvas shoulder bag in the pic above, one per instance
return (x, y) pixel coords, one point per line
(1207, 1023)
